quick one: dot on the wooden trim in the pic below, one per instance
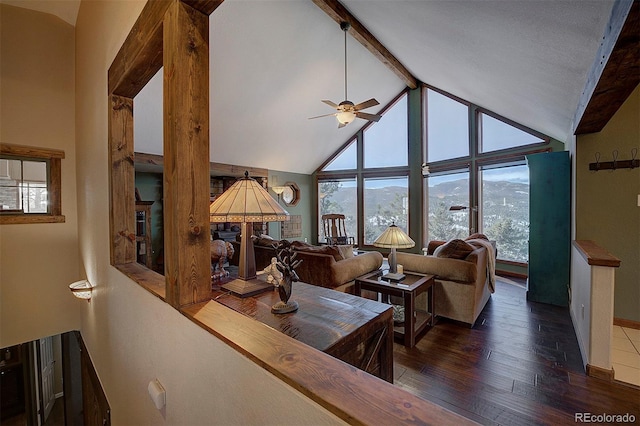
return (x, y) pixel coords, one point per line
(140, 56)
(206, 7)
(20, 219)
(626, 323)
(339, 13)
(504, 273)
(614, 73)
(147, 278)
(357, 397)
(596, 255)
(55, 187)
(600, 373)
(121, 175)
(30, 151)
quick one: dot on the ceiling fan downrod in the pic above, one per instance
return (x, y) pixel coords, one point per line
(344, 26)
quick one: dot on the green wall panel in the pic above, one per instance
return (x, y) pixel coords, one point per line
(550, 227)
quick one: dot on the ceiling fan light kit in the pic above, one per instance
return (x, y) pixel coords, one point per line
(346, 110)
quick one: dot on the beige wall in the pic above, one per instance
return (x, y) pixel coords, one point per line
(607, 210)
(38, 261)
(131, 335)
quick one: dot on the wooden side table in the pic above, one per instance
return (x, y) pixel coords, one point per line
(415, 320)
(353, 329)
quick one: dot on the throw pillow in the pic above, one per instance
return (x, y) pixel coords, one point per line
(454, 249)
(346, 251)
(264, 241)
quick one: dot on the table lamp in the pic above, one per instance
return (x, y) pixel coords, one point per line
(246, 201)
(393, 238)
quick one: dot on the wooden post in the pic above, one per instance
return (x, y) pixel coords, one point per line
(122, 199)
(186, 155)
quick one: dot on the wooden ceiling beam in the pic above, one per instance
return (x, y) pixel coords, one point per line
(615, 72)
(339, 13)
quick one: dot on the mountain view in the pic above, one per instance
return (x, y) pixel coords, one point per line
(504, 215)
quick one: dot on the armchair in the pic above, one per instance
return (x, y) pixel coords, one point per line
(463, 284)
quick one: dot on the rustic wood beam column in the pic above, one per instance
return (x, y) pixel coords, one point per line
(122, 200)
(186, 155)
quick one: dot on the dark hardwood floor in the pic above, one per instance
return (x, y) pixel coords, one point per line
(519, 365)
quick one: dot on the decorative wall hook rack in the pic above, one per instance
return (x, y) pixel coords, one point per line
(615, 164)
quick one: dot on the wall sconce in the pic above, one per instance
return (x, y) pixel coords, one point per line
(425, 170)
(81, 289)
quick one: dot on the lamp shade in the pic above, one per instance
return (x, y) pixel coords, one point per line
(246, 201)
(394, 237)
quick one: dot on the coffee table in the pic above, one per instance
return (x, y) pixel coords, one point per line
(415, 319)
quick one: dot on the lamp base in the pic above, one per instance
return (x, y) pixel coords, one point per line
(394, 276)
(242, 288)
(284, 308)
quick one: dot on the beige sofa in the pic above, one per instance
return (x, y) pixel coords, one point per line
(324, 266)
(463, 286)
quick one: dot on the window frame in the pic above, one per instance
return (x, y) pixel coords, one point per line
(53, 159)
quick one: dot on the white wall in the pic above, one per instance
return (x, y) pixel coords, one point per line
(38, 261)
(132, 336)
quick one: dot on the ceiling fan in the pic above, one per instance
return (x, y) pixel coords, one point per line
(346, 110)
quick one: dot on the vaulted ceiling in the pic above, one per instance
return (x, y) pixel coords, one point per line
(272, 62)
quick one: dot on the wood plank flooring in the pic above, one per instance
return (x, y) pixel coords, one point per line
(519, 365)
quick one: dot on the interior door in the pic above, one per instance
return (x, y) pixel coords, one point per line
(47, 376)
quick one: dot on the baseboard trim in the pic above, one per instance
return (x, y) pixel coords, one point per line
(600, 373)
(510, 274)
(626, 323)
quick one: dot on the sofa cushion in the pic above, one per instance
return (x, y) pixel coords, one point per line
(331, 250)
(456, 270)
(454, 249)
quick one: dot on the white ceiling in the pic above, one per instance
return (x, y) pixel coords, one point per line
(273, 61)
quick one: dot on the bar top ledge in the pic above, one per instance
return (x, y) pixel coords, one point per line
(596, 255)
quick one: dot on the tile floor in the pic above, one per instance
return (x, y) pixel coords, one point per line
(625, 354)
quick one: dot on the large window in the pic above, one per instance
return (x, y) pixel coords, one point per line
(479, 180)
(447, 127)
(495, 135)
(385, 203)
(374, 185)
(338, 196)
(30, 180)
(386, 142)
(505, 209)
(449, 205)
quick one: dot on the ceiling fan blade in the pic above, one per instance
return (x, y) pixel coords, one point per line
(366, 104)
(331, 104)
(370, 117)
(319, 116)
